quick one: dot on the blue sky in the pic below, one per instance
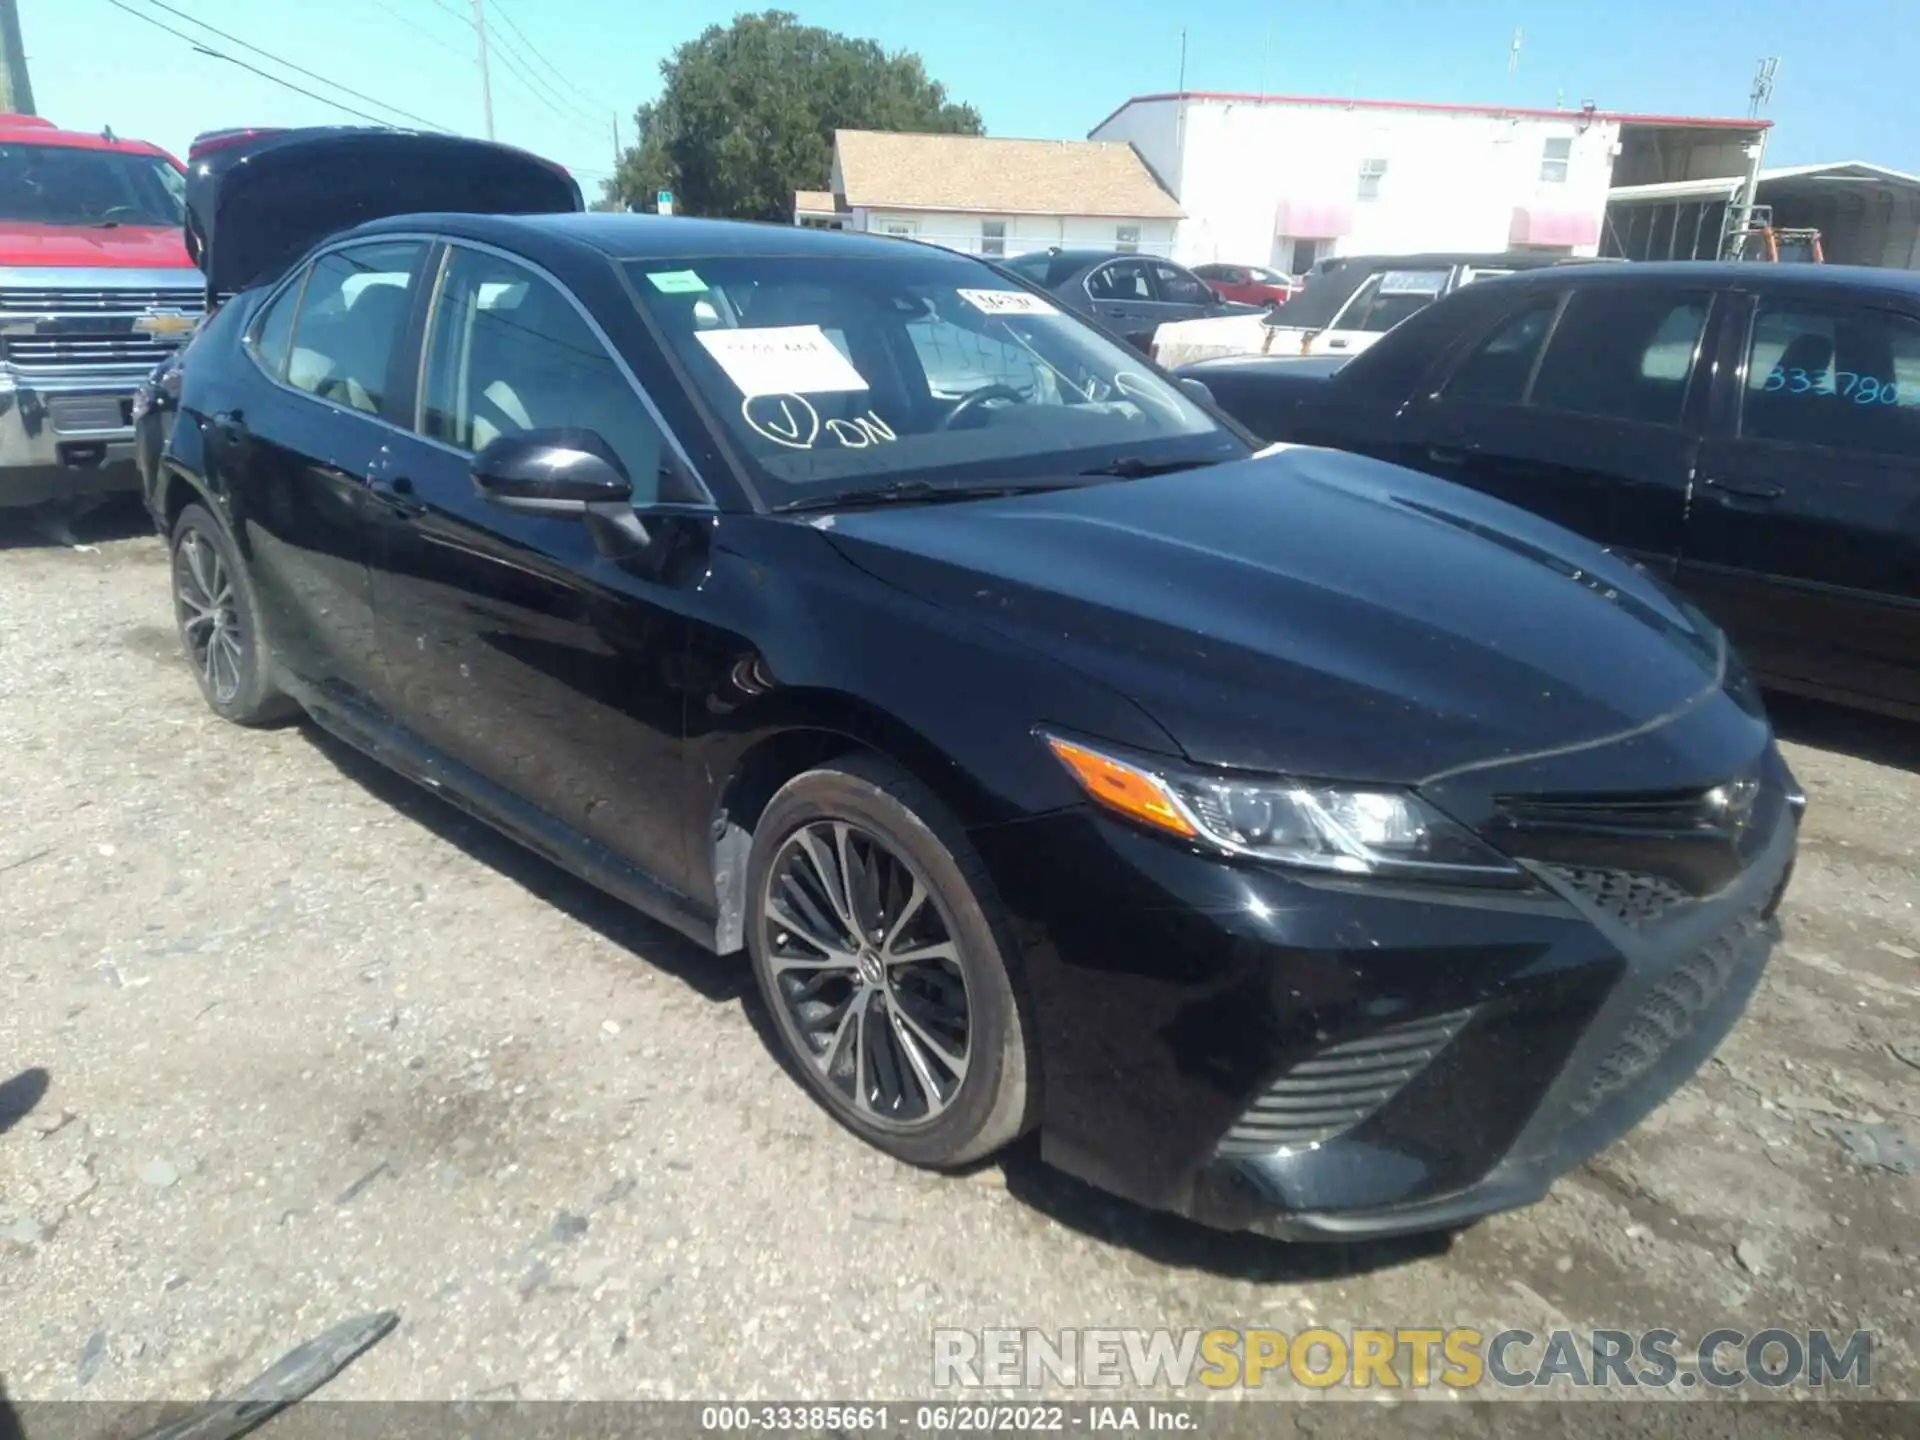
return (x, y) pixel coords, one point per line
(1846, 86)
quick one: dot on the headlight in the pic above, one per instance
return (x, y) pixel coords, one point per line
(1346, 829)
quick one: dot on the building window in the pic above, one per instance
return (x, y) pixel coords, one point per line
(1302, 256)
(1371, 173)
(904, 228)
(1126, 238)
(1554, 159)
(993, 237)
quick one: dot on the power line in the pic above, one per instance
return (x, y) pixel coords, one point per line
(515, 65)
(422, 30)
(453, 12)
(593, 106)
(255, 69)
(288, 64)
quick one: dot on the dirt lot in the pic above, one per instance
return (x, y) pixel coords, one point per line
(285, 1040)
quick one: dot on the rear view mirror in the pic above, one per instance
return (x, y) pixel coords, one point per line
(551, 472)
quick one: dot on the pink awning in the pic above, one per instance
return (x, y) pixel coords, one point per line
(1305, 220)
(1540, 226)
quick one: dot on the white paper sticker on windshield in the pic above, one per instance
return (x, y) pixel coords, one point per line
(1413, 282)
(1007, 302)
(781, 360)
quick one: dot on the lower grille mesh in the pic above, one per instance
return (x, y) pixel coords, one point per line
(1668, 1013)
(1627, 895)
(1338, 1087)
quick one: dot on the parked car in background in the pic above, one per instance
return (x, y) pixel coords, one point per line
(1021, 740)
(1752, 432)
(1249, 284)
(1342, 309)
(1132, 295)
(95, 289)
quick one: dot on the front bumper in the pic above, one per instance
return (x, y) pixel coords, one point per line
(1190, 1011)
(67, 437)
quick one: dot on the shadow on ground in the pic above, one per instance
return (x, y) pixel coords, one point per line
(1166, 1239)
(19, 1095)
(58, 526)
(714, 977)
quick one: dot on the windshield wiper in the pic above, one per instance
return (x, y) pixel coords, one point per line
(913, 491)
(1134, 467)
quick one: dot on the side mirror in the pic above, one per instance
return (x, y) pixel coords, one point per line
(1218, 298)
(1197, 390)
(561, 472)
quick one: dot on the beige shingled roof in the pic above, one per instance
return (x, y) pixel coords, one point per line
(815, 202)
(998, 177)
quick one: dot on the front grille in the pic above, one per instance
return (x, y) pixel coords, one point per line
(1629, 896)
(84, 352)
(1669, 1012)
(98, 302)
(1340, 1086)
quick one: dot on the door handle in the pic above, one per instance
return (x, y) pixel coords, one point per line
(1336, 344)
(1745, 489)
(396, 493)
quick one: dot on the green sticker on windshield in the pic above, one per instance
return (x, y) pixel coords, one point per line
(677, 282)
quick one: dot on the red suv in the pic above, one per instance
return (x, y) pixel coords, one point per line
(1249, 284)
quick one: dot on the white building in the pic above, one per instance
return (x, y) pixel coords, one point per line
(1286, 180)
(989, 196)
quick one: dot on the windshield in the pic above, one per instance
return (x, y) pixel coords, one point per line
(830, 373)
(59, 185)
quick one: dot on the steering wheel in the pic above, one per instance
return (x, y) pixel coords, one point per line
(973, 399)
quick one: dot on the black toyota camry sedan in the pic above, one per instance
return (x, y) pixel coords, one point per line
(1293, 841)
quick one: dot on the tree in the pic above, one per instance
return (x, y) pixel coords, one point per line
(746, 115)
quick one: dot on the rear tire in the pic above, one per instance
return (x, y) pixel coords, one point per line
(219, 620)
(909, 1031)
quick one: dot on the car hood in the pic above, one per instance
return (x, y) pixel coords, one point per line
(1312, 612)
(142, 247)
(258, 200)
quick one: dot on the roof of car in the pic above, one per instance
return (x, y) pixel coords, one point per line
(1727, 272)
(658, 237)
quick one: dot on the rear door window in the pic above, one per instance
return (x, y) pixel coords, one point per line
(1625, 354)
(1841, 376)
(273, 330)
(351, 322)
(1122, 280)
(1495, 371)
(1178, 287)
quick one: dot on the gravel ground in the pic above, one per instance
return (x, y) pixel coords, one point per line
(285, 1040)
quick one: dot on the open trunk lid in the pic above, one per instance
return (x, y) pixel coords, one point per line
(259, 199)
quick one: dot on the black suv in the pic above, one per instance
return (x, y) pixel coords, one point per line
(1751, 431)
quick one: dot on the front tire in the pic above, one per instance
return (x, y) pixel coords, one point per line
(878, 947)
(219, 620)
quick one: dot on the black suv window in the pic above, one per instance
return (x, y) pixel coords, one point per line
(509, 353)
(351, 320)
(1835, 375)
(1121, 280)
(274, 329)
(1495, 371)
(1623, 353)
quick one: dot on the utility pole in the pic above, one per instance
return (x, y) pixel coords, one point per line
(1733, 243)
(486, 83)
(16, 94)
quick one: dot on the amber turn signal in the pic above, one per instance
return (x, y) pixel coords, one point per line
(1133, 793)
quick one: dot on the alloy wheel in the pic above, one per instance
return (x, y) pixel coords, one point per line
(867, 974)
(209, 620)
